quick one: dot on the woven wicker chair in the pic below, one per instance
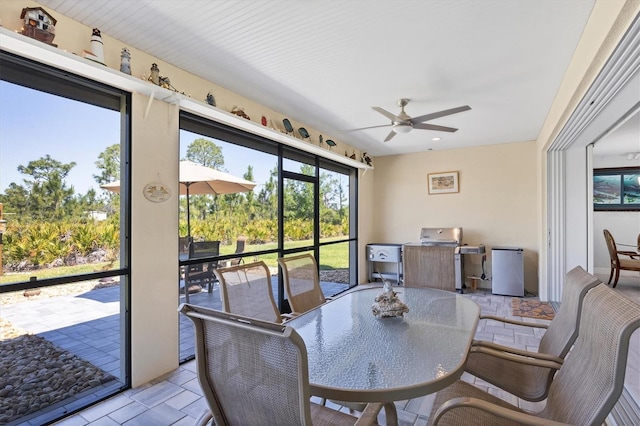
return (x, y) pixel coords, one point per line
(586, 387)
(301, 282)
(246, 290)
(256, 373)
(620, 264)
(529, 374)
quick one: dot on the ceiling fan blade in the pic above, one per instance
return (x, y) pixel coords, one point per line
(365, 128)
(438, 114)
(387, 114)
(425, 126)
(390, 136)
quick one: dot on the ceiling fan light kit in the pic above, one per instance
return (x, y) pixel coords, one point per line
(404, 123)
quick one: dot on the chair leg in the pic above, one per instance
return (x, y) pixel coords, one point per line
(615, 281)
(610, 276)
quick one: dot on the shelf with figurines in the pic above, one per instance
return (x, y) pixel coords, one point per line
(30, 48)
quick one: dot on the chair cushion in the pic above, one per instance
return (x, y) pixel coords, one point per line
(630, 264)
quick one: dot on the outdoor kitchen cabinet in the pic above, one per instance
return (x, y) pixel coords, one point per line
(430, 266)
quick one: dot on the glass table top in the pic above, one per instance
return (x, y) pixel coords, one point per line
(354, 356)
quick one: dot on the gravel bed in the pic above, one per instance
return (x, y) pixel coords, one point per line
(34, 373)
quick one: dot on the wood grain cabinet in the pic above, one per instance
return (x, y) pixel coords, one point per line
(429, 266)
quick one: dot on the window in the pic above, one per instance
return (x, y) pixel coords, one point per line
(301, 203)
(616, 189)
(64, 249)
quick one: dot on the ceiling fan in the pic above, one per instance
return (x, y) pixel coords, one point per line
(403, 123)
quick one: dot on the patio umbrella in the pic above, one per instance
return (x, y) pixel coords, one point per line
(197, 179)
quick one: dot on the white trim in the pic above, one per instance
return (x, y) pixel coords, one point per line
(29, 48)
(612, 94)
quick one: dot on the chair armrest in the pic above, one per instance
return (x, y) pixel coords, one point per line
(290, 316)
(370, 414)
(520, 356)
(631, 254)
(515, 322)
(496, 410)
(204, 418)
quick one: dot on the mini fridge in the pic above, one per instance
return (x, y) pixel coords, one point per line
(507, 271)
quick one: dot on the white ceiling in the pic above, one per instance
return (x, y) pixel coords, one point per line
(326, 63)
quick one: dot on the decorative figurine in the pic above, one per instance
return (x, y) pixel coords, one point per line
(96, 53)
(287, 125)
(97, 47)
(388, 304)
(303, 133)
(165, 83)
(353, 156)
(239, 112)
(125, 61)
(39, 24)
(320, 141)
(331, 143)
(155, 74)
(366, 159)
(263, 121)
(210, 99)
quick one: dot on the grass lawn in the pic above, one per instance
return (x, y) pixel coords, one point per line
(331, 257)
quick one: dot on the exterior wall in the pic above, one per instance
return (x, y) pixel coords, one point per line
(496, 205)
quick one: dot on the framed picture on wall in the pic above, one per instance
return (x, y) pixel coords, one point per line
(443, 183)
(616, 189)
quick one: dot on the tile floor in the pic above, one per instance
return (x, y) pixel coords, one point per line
(176, 398)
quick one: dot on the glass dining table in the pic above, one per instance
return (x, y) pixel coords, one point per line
(357, 357)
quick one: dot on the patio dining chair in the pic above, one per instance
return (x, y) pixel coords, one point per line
(301, 282)
(586, 387)
(246, 290)
(240, 243)
(526, 374)
(630, 261)
(202, 273)
(256, 373)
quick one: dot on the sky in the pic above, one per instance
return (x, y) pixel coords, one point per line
(34, 124)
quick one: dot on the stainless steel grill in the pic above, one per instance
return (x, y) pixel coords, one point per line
(441, 236)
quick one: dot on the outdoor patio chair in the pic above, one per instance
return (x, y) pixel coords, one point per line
(246, 290)
(586, 387)
(183, 245)
(301, 282)
(620, 264)
(202, 273)
(529, 374)
(240, 243)
(256, 373)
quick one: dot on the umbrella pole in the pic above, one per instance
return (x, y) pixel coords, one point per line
(188, 213)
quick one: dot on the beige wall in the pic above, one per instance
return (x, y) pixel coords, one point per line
(496, 205)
